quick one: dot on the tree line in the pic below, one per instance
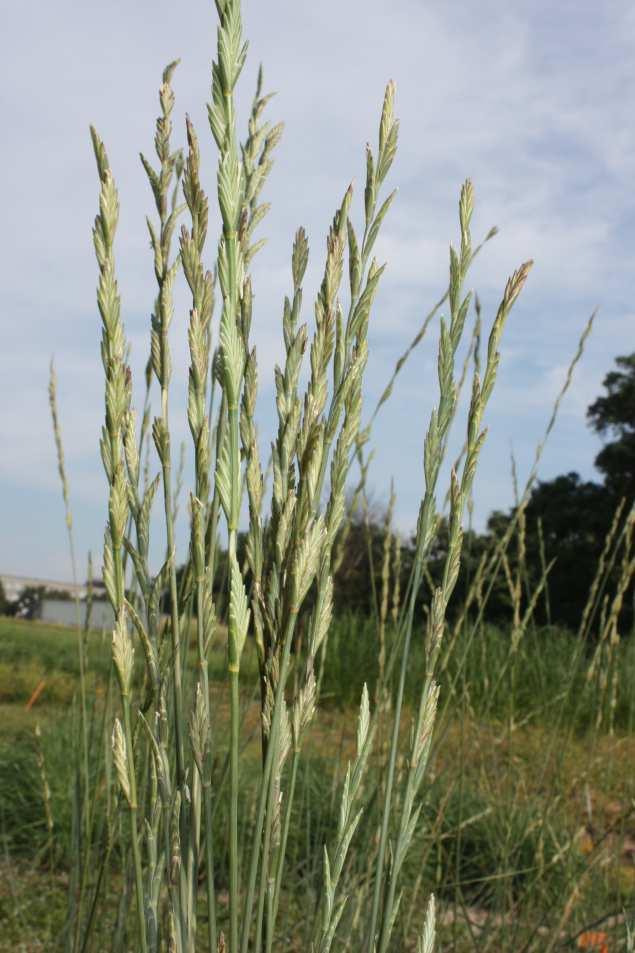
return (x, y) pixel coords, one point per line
(562, 528)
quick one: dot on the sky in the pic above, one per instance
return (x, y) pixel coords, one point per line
(531, 100)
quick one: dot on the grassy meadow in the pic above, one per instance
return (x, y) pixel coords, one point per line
(527, 830)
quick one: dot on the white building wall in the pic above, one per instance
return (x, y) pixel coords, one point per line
(64, 612)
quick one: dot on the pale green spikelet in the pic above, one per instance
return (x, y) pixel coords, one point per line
(122, 652)
(120, 757)
(426, 943)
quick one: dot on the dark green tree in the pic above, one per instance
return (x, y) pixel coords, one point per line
(576, 516)
(356, 584)
(613, 416)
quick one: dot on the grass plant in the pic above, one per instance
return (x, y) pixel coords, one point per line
(163, 739)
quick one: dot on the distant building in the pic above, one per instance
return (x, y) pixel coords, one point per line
(14, 585)
(55, 602)
(64, 612)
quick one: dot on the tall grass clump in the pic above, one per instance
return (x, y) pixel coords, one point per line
(174, 760)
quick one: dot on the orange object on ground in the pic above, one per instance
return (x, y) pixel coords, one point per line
(36, 694)
(594, 940)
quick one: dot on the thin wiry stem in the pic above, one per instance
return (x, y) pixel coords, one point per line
(61, 465)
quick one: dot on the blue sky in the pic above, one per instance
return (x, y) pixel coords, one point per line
(532, 100)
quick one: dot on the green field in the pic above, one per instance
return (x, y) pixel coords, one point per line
(534, 819)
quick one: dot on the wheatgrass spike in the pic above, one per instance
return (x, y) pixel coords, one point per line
(118, 394)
